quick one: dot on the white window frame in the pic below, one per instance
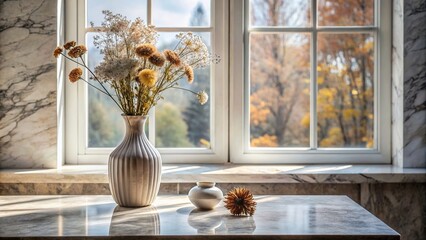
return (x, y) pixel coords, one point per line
(235, 129)
(76, 150)
(240, 150)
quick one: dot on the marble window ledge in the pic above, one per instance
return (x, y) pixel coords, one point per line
(230, 173)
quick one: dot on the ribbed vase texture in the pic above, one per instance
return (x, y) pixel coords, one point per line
(134, 167)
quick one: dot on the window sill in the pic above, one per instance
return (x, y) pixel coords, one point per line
(229, 173)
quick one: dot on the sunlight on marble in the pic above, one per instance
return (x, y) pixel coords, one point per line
(178, 169)
(326, 169)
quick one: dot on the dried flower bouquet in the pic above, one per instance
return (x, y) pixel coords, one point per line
(133, 67)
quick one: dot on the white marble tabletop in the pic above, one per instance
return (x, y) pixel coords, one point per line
(277, 217)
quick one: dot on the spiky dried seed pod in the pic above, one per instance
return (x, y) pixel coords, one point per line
(240, 201)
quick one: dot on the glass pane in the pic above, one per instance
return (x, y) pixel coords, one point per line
(345, 13)
(346, 90)
(105, 124)
(279, 90)
(182, 13)
(283, 13)
(128, 8)
(180, 121)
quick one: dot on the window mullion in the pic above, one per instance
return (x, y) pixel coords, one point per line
(149, 12)
(151, 114)
(313, 84)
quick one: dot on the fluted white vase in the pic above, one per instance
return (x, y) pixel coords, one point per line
(134, 167)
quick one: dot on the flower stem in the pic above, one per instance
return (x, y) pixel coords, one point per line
(106, 91)
(185, 90)
(94, 86)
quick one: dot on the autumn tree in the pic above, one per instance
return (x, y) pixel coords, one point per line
(346, 76)
(279, 72)
(279, 75)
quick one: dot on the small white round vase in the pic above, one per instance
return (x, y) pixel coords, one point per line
(205, 195)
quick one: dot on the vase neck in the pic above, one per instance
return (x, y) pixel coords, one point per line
(135, 124)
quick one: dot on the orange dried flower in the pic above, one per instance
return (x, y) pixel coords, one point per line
(77, 51)
(69, 45)
(75, 75)
(157, 59)
(172, 57)
(145, 50)
(189, 72)
(240, 201)
(147, 77)
(57, 52)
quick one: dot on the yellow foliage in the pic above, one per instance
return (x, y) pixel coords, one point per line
(349, 113)
(264, 141)
(333, 139)
(258, 110)
(326, 94)
(306, 120)
(258, 115)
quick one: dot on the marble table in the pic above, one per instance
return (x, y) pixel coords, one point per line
(174, 217)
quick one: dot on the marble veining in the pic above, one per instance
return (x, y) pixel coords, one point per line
(402, 206)
(284, 217)
(27, 84)
(397, 82)
(414, 83)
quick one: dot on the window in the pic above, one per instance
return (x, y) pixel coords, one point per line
(182, 130)
(311, 82)
(308, 82)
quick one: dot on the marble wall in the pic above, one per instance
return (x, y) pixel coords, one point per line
(400, 205)
(397, 82)
(414, 83)
(27, 84)
(409, 83)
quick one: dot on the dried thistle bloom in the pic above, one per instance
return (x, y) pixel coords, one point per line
(77, 51)
(157, 59)
(240, 201)
(147, 77)
(145, 50)
(69, 45)
(57, 52)
(189, 72)
(75, 75)
(202, 97)
(172, 57)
